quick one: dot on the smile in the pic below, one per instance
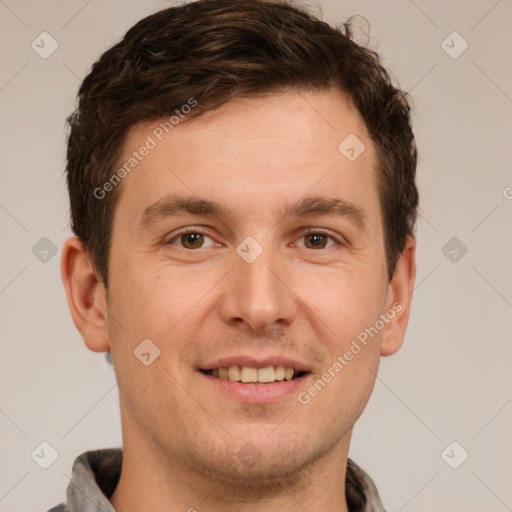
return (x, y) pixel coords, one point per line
(251, 374)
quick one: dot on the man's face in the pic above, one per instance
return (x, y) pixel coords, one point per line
(208, 299)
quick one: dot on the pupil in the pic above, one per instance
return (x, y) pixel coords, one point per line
(191, 239)
(317, 240)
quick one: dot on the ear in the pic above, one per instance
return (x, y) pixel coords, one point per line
(398, 301)
(86, 295)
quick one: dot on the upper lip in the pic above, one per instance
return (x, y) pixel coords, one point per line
(256, 362)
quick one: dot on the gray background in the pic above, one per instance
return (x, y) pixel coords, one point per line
(452, 379)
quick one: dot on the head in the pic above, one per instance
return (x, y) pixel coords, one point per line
(205, 54)
(241, 107)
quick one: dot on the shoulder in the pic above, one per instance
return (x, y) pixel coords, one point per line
(361, 491)
(60, 508)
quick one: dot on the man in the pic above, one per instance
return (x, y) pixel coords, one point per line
(241, 178)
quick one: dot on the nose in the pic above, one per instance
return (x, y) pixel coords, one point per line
(258, 296)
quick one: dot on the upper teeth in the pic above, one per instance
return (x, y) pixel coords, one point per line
(251, 374)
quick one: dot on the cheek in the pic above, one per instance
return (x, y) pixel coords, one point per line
(349, 304)
(165, 305)
(345, 303)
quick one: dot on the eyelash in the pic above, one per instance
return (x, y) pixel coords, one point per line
(308, 231)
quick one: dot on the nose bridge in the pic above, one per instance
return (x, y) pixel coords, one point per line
(257, 295)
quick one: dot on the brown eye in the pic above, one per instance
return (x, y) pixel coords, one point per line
(316, 241)
(192, 240)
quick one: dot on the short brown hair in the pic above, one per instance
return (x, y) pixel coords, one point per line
(213, 51)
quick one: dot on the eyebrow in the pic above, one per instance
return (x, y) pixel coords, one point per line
(326, 206)
(317, 206)
(170, 206)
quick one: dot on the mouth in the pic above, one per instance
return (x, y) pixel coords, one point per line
(255, 375)
(263, 379)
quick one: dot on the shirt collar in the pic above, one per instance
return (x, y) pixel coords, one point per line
(96, 473)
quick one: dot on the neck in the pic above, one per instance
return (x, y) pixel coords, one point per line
(152, 481)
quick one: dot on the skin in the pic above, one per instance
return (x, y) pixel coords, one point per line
(181, 435)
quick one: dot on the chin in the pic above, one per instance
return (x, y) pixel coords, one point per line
(261, 466)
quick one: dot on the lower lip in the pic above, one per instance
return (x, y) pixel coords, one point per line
(251, 393)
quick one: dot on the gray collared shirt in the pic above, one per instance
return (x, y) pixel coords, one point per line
(96, 474)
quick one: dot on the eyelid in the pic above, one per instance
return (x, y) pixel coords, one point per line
(304, 232)
(184, 231)
(337, 238)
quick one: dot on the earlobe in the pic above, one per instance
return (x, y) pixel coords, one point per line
(398, 302)
(85, 294)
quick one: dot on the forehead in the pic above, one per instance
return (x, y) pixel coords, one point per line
(253, 152)
(315, 123)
